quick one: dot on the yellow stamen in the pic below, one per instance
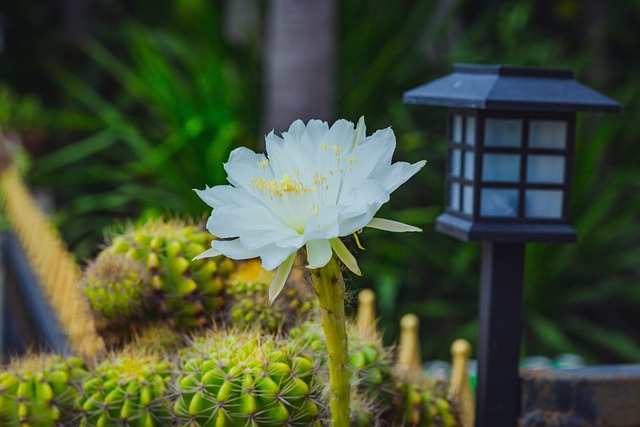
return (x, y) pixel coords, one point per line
(286, 185)
(355, 235)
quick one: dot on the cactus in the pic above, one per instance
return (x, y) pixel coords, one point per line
(186, 293)
(246, 379)
(158, 339)
(371, 366)
(421, 405)
(127, 389)
(248, 305)
(40, 391)
(115, 287)
(365, 410)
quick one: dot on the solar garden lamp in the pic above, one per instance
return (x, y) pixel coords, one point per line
(510, 138)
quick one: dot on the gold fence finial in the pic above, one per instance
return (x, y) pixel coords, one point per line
(366, 322)
(459, 386)
(409, 357)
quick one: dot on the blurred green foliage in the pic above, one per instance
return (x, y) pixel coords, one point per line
(154, 105)
(167, 108)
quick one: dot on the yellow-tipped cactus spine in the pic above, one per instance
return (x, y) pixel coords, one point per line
(128, 389)
(187, 294)
(40, 391)
(244, 379)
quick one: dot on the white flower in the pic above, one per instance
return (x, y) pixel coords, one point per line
(315, 185)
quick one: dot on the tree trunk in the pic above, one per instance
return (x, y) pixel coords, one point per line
(299, 62)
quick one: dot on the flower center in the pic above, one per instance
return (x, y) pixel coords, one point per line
(279, 188)
(297, 187)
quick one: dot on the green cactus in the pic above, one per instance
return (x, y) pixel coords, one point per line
(249, 307)
(365, 410)
(185, 293)
(157, 338)
(371, 365)
(420, 404)
(128, 389)
(115, 287)
(40, 391)
(247, 380)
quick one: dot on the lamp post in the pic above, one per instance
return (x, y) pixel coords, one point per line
(510, 135)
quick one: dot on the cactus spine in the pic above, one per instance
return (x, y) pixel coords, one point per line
(127, 390)
(39, 391)
(249, 307)
(186, 293)
(248, 380)
(115, 287)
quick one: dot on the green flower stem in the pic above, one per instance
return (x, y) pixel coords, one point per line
(329, 286)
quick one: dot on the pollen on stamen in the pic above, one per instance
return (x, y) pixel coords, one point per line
(263, 163)
(318, 179)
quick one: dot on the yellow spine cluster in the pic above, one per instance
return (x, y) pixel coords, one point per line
(52, 263)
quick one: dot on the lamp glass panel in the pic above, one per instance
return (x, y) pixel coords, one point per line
(548, 134)
(543, 204)
(467, 199)
(501, 168)
(457, 129)
(469, 159)
(545, 169)
(499, 202)
(470, 131)
(454, 196)
(503, 133)
(456, 161)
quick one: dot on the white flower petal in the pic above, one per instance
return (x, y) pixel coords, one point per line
(316, 130)
(272, 143)
(361, 210)
(245, 155)
(325, 224)
(242, 167)
(316, 183)
(393, 226)
(345, 256)
(340, 134)
(397, 174)
(227, 222)
(233, 249)
(369, 192)
(352, 224)
(318, 253)
(361, 133)
(256, 239)
(207, 196)
(280, 278)
(388, 140)
(373, 154)
(274, 255)
(297, 129)
(224, 195)
(296, 242)
(209, 253)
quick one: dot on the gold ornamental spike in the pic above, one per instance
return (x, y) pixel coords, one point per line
(366, 322)
(409, 357)
(459, 386)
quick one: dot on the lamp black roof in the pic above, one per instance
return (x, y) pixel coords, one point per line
(499, 87)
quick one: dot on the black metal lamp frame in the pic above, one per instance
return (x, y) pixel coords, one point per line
(496, 91)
